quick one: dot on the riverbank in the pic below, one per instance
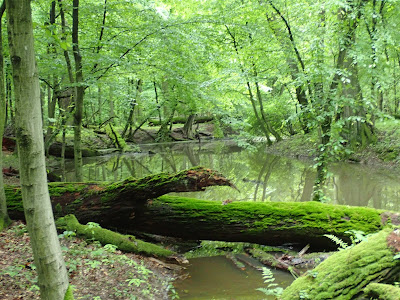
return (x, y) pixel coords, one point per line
(384, 153)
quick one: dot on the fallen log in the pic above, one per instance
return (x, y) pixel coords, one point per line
(126, 243)
(134, 206)
(349, 273)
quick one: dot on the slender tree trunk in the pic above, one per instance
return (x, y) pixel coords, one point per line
(4, 219)
(111, 102)
(9, 99)
(53, 277)
(156, 98)
(188, 127)
(80, 90)
(349, 26)
(293, 58)
(99, 101)
(251, 96)
(129, 122)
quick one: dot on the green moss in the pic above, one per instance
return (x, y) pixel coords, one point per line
(127, 243)
(382, 291)
(14, 198)
(344, 274)
(115, 137)
(314, 217)
(69, 293)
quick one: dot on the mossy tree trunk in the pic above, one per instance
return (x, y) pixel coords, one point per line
(133, 205)
(52, 273)
(348, 273)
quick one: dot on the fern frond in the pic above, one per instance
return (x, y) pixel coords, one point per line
(342, 245)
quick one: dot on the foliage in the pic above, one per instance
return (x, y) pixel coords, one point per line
(346, 273)
(93, 231)
(272, 288)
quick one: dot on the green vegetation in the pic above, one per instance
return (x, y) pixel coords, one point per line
(304, 218)
(96, 271)
(127, 243)
(310, 78)
(346, 273)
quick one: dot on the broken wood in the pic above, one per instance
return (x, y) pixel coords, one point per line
(135, 205)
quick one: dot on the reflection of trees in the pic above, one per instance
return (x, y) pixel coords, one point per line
(193, 157)
(169, 158)
(267, 168)
(258, 174)
(355, 186)
(307, 184)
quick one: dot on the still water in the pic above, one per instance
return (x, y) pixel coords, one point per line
(259, 176)
(217, 278)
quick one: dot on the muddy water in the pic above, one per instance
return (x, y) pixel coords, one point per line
(218, 278)
(260, 177)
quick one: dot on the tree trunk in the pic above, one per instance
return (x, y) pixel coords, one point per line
(80, 90)
(188, 127)
(347, 273)
(4, 219)
(349, 25)
(132, 205)
(293, 58)
(53, 277)
(251, 97)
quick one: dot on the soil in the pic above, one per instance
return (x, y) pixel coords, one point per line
(95, 272)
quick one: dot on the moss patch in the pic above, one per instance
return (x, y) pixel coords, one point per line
(69, 293)
(345, 274)
(127, 243)
(311, 217)
(382, 291)
(115, 137)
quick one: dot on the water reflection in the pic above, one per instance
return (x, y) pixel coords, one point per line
(218, 278)
(258, 175)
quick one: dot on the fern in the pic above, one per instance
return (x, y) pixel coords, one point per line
(342, 245)
(272, 289)
(356, 237)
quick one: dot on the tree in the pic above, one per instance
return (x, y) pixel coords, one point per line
(52, 273)
(4, 219)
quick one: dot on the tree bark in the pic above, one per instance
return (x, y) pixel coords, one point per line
(347, 273)
(80, 90)
(4, 219)
(52, 274)
(132, 205)
(188, 127)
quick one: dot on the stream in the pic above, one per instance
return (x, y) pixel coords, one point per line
(259, 176)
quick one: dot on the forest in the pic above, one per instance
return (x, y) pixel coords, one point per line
(143, 141)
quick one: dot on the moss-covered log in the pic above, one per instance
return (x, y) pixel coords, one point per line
(349, 273)
(117, 203)
(127, 243)
(132, 206)
(382, 291)
(269, 223)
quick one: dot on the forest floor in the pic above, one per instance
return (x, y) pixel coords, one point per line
(95, 272)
